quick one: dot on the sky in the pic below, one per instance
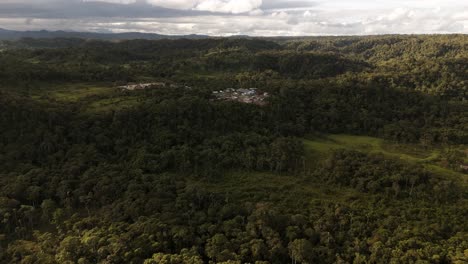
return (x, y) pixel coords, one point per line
(239, 17)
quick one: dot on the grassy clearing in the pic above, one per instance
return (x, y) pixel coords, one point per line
(79, 94)
(91, 98)
(327, 144)
(71, 93)
(320, 148)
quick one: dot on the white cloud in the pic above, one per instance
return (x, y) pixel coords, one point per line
(256, 12)
(220, 6)
(281, 15)
(307, 14)
(228, 6)
(252, 17)
(176, 4)
(123, 2)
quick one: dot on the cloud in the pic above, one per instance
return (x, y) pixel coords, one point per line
(122, 2)
(175, 4)
(221, 6)
(229, 6)
(284, 5)
(308, 14)
(246, 17)
(74, 9)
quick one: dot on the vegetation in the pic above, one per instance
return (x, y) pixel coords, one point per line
(358, 156)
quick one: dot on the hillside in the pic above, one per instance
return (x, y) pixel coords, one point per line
(435, 65)
(45, 34)
(351, 157)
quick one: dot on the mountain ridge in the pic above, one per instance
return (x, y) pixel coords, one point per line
(6, 34)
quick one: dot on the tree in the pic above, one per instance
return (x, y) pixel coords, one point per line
(301, 250)
(219, 248)
(48, 208)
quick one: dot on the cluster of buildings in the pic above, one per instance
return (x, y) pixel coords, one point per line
(248, 96)
(242, 95)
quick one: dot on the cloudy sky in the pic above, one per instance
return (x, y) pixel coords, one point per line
(234, 17)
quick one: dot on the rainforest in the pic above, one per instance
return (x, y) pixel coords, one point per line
(234, 150)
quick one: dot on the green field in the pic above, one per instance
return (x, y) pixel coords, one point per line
(91, 98)
(407, 152)
(319, 147)
(71, 93)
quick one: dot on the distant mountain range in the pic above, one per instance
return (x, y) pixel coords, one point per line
(15, 35)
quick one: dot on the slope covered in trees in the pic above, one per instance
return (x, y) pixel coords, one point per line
(93, 174)
(431, 64)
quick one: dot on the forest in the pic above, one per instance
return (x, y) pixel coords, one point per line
(359, 154)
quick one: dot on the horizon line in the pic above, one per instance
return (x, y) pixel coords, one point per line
(236, 35)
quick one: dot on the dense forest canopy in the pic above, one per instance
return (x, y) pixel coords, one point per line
(432, 64)
(357, 156)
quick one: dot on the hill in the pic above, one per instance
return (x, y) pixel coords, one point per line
(43, 34)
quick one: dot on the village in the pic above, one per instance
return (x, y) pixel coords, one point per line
(242, 95)
(248, 96)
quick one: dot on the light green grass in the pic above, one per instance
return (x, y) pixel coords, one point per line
(319, 148)
(80, 94)
(91, 98)
(71, 92)
(409, 152)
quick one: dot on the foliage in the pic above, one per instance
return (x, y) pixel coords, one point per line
(90, 174)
